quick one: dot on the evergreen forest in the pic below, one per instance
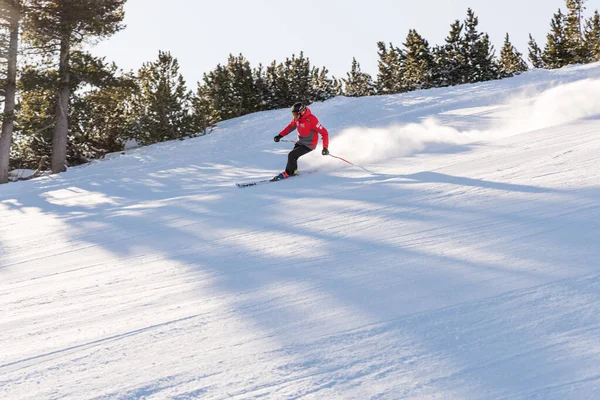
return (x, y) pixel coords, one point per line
(62, 106)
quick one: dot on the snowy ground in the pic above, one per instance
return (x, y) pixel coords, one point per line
(464, 266)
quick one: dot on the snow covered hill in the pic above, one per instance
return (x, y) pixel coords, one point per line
(464, 265)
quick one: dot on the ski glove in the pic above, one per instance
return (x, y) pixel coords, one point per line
(325, 152)
(277, 138)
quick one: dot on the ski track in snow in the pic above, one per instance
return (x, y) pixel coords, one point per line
(464, 267)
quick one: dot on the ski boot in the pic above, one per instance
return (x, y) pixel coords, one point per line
(280, 177)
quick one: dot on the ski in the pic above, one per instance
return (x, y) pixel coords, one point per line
(255, 183)
(263, 181)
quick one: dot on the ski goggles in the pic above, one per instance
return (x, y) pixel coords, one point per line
(298, 114)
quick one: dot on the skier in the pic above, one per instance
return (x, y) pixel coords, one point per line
(308, 125)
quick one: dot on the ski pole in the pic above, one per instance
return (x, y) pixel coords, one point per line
(346, 161)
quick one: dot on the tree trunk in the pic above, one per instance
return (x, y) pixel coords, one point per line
(61, 129)
(8, 120)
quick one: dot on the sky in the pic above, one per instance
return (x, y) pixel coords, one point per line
(201, 34)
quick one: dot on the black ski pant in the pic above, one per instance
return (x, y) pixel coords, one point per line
(298, 151)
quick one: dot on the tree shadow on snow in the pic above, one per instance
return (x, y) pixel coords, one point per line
(319, 258)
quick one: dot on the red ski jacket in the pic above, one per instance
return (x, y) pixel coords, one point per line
(308, 125)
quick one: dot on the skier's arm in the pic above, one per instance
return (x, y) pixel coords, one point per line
(288, 129)
(324, 134)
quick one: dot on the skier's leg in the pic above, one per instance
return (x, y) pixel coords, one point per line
(298, 151)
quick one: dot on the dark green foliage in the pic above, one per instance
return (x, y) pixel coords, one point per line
(572, 39)
(574, 31)
(100, 111)
(230, 90)
(163, 103)
(204, 116)
(450, 59)
(278, 86)
(535, 53)
(295, 80)
(289, 82)
(35, 117)
(321, 87)
(261, 90)
(480, 63)
(56, 27)
(299, 77)
(338, 87)
(487, 66)
(511, 61)
(592, 38)
(390, 69)
(358, 83)
(49, 21)
(418, 63)
(89, 70)
(235, 90)
(105, 107)
(243, 90)
(556, 53)
(103, 118)
(217, 91)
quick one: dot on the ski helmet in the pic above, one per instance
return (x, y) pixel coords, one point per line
(298, 108)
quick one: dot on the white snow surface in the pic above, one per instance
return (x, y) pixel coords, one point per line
(464, 265)
(17, 174)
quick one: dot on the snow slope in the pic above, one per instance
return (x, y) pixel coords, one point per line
(464, 265)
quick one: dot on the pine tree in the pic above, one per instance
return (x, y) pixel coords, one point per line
(271, 87)
(95, 127)
(450, 58)
(67, 23)
(260, 95)
(358, 83)
(574, 31)
(236, 89)
(556, 53)
(470, 46)
(487, 60)
(535, 53)
(163, 102)
(338, 86)
(511, 61)
(271, 84)
(103, 118)
(478, 51)
(88, 136)
(385, 82)
(592, 37)
(286, 94)
(290, 81)
(204, 115)
(10, 16)
(299, 77)
(322, 87)
(418, 62)
(243, 100)
(36, 116)
(390, 69)
(278, 85)
(217, 89)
